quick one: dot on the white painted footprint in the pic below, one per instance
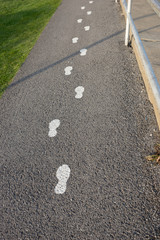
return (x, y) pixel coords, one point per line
(83, 52)
(90, 2)
(75, 40)
(79, 20)
(89, 12)
(68, 70)
(83, 7)
(86, 28)
(53, 125)
(63, 173)
(79, 92)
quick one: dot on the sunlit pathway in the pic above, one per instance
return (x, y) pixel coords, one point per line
(74, 134)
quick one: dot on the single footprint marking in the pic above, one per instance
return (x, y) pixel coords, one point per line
(83, 52)
(79, 20)
(79, 92)
(75, 40)
(68, 70)
(63, 173)
(53, 125)
(90, 2)
(83, 7)
(89, 12)
(86, 28)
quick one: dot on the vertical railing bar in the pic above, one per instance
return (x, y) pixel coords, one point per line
(127, 23)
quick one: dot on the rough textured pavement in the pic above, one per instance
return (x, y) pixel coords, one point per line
(112, 192)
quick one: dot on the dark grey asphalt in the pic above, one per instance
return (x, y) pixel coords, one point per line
(112, 192)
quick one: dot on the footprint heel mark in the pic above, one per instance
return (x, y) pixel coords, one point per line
(83, 52)
(89, 12)
(75, 40)
(79, 20)
(79, 92)
(68, 70)
(53, 125)
(62, 174)
(83, 7)
(87, 28)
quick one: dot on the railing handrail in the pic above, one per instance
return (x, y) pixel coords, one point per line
(153, 82)
(155, 5)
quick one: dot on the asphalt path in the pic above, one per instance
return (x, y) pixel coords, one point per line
(72, 159)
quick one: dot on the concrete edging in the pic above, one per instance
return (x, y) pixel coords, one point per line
(151, 95)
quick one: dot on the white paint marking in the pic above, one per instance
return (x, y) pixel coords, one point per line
(87, 28)
(90, 2)
(89, 12)
(83, 7)
(63, 173)
(83, 52)
(68, 70)
(75, 40)
(79, 20)
(79, 92)
(52, 127)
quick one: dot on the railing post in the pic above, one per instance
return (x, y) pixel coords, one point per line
(127, 23)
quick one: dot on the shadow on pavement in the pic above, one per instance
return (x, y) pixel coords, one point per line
(73, 55)
(62, 60)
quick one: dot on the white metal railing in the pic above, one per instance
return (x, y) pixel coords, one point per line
(155, 4)
(153, 82)
(127, 23)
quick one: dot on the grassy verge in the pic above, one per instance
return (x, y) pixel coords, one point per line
(21, 22)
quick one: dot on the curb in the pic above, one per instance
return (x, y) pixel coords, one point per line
(150, 93)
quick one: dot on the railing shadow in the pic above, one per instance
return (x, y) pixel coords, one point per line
(147, 29)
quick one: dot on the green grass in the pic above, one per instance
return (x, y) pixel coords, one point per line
(21, 22)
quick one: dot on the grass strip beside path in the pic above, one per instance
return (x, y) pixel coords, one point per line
(21, 22)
